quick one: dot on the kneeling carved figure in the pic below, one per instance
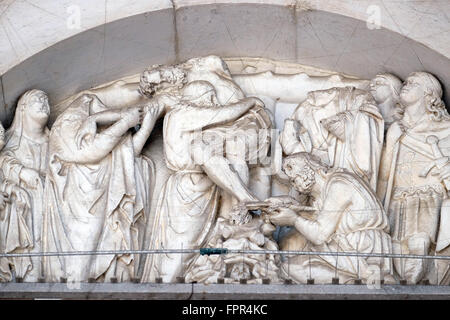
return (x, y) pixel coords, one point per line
(345, 216)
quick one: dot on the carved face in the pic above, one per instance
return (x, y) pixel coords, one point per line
(160, 78)
(303, 179)
(150, 82)
(380, 89)
(37, 107)
(412, 91)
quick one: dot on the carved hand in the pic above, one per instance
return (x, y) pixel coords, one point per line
(283, 216)
(152, 113)
(257, 102)
(336, 125)
(89, 127)
(30, 177)
(133, 116)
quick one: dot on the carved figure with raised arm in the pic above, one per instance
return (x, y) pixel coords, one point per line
(189, 201)
(345, 216)
(97, 190)
(246, 141)
(341, 126)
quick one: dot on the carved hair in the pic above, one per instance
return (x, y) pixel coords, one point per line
(295, 163)
(434, 104)
(172, 75)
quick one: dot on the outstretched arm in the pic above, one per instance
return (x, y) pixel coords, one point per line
(317, 231)
(140, 137)
(103, 143)
(105, 117)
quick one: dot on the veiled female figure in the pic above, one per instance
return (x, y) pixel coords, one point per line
(97, 190)
(23, 161)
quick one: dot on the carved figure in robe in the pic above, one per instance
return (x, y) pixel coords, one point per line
(250, 162)
(414, 180)
(189, 201)
(341, 126)
(97, 189)
(345, 216)
(23, 161)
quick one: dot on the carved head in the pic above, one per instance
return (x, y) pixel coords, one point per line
(423, 86)
(159, 77)
(34, 104)
(385, 86)
(200, 93)
(302, 168)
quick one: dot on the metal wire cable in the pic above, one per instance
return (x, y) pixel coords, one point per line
(224, 252)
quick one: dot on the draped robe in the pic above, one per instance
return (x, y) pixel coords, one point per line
(359, 224)
(412, 192)
(21, 220)
(360, 151)
(187, 205)
(93, 207)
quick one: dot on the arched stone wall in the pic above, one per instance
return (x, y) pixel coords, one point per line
(307, 32)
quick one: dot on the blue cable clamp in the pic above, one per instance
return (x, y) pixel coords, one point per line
(210, 251)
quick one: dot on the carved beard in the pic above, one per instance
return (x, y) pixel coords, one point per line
(149, 89)
(305, 179)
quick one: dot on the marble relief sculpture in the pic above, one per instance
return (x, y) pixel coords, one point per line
(23, 162)
(385, 89)
(344, 216)
(98, 184)
(186, 156)
(415, 172)
(204, 89)
(242, 231)
(192, 188)
(212, 69)
(341, 126)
